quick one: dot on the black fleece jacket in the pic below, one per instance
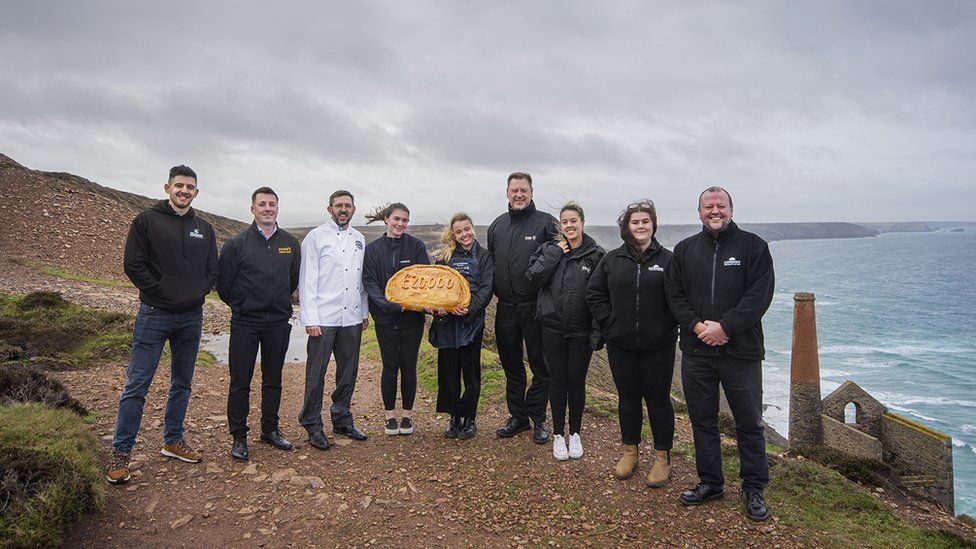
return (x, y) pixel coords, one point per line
(171, 258)
(628, 299)
(512, 239)
(561, 278)
(727, 278)
(258, 276)
(381, 260)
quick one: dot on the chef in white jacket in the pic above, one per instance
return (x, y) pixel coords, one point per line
(334, 311)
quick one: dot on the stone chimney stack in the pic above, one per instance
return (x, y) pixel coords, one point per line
(806, 425)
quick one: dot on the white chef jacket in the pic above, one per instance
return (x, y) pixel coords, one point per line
(330, 283)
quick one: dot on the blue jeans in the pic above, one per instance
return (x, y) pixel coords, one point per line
(152, 328)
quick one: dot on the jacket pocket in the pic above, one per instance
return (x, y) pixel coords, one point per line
(179, 291)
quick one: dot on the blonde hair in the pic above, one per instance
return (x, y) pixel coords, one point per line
(447, 237)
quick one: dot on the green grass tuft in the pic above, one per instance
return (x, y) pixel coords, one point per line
(51, 474)
(68, 275)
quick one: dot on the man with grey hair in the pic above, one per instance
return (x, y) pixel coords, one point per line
(719, 284)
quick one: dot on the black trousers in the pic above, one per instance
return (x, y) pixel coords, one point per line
(452, 365)
(244, 343)
(568, 359)
(342, 343)
(515, 324)
(742, 381)
(644, 376)
(398, 350)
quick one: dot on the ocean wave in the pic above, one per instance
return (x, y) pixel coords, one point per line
(959, 443)
(860, 349)
(968, 428)
(827, 372)
(937, 401)
(911, 412)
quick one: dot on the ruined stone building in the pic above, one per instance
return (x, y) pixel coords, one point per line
(919, 457)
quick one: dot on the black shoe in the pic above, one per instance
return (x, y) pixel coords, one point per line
(512, 427)
(468, 429)
(239, 450)
(701, 493)
(452, 428)
(756, 506)
(318, 440)
(540, 435)
(275, 439)
(350, 431)
(406, 426)
(390, 427)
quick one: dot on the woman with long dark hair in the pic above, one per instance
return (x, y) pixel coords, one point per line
(627, 298)
(561, 269)
(457, 334)
(398, 331)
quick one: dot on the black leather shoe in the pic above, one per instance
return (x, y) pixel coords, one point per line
(452, 428)
(756, 506)
(540, 435)
(275, 439)
(351, 431)
(701, 493)
(318, 440)
(239, 450)
(468, 429)
(512, 427)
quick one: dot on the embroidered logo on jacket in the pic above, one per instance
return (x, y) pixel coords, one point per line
(195, 233)
(285, 250)
(584, 268)
(656, 267)
(359, 244)
(732, 262)
(404, 261)
(530, 237)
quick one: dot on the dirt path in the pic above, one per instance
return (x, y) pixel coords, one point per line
(421, 490)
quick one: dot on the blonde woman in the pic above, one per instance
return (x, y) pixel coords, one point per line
(457, 334)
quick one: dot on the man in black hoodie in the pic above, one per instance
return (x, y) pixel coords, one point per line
(171, 256)
(512, 239)
(720, 283)
(258, 274)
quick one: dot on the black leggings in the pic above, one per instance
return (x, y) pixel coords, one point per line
(453, 363)
(644, 375)
(568, 359)
(398, 350)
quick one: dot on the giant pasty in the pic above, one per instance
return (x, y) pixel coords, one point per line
(434, 286)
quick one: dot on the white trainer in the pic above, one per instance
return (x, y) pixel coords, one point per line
(559, 450)
(575, 446)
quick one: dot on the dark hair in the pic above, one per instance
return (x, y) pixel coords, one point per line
(519, 175)
(381, 213)
(643, 205)
(263, 190)
(339, 193)
(185, 171)
(573, 206)
(715, 190)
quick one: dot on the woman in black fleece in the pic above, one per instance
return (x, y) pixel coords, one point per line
(627, 298)
(398, 332)
(561, 269)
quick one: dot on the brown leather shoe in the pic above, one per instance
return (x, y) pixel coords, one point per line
(661, 471)
(181, 451)
(628, 463)
(118, 469)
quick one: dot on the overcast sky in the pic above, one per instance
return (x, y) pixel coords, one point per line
(833, 111)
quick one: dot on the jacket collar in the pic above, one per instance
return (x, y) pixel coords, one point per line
(523, 213)
(163, 206)
(724, 235)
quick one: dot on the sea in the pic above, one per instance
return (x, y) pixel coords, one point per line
(895, 315)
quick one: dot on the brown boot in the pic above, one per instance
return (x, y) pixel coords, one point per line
(661, 471)
(628, 463)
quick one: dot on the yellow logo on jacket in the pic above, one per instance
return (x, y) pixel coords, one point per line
(286, 250)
